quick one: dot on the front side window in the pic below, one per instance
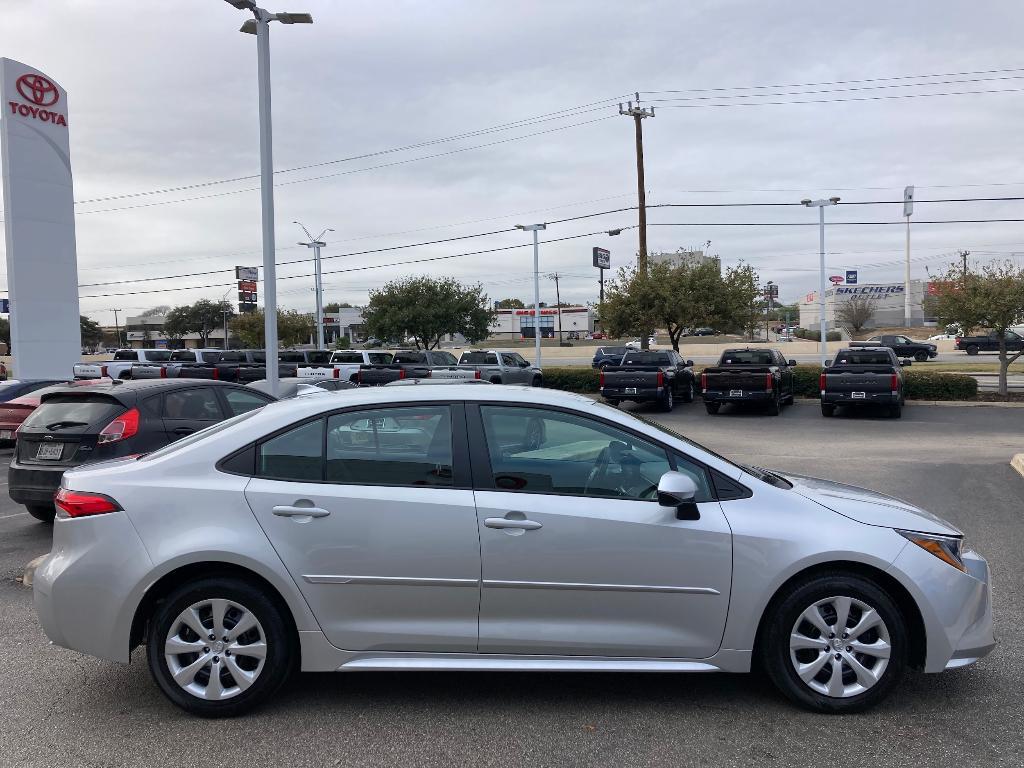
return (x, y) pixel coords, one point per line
(409, 446)
(541, 451)
(444, 358)
(378, 358)
(296, 455)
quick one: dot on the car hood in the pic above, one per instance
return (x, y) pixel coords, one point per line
(870, 507)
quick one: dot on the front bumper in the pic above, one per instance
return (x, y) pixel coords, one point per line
(956, 607)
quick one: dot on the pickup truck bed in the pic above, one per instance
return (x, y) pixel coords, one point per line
(858, 378)
(748, 376)
(658, 377)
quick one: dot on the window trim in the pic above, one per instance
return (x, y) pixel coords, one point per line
(483, 472)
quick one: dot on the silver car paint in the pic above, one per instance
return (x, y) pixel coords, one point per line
(180, 510)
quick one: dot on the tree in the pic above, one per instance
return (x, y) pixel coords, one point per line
(427, 309)
(337, 306)
(510, 304)
(200, 318)
(680, 297)
(162, 309)
(177, 323)
(292, 328)
(992, 299)
(5, 333)
(855, 313)
(92, 334)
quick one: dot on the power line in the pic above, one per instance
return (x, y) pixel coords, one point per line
(849, 99)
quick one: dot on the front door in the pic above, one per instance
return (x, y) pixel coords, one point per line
(371, 512)
(578, 557)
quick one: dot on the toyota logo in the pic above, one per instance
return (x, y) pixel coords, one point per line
(38, 90)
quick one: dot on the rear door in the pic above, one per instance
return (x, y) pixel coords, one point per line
(188, 410)
(372, 512)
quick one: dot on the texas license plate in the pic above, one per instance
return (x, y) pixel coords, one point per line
(630, 390)
(857, 395)
(49, 451)
(6, 434)
(735, 393)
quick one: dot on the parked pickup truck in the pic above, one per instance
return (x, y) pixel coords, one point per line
(749, 375)
(345, 364)
(863, 376)
(238, 365)
(423, 364)
(120, 366)
(502, 367)
(658, 377)
(902, 346)
(305, 356)
(172, 367)
(972, 345)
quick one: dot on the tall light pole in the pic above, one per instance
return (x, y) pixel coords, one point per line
(316, 244)
(820, 205)
(260, 26)
(908, 210)
(535, 228)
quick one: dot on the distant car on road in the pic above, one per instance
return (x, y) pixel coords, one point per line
(943, 337)
(83, 425)
(492, 529)
(705, 332)
(902, 346)
(972, 345)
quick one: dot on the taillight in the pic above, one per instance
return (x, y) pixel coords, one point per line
(216, 373)
(957, 341)
(401, 373)
(103, 371)
(476, 374)
(768, 383)
(821, 382)
(336, 374)
(704, 382)
(600, 380)
(124, 426)
(661, 378)
(80, 504)
(163, 371)
(895, 382)
(359, 377)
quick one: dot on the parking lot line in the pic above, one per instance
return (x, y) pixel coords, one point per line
(16, 514)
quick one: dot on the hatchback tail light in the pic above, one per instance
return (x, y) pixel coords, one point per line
(81, 504)
(124, 426)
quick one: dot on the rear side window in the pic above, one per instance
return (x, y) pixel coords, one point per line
(347, 357)
(157, 356)
(318, 357)
(192, 404)
(444, 358)
(210, 357)
(410, 357)
(240, 401)
(74, 410)
(183, 356)
(296, 455)
(126, 354)
(291, 357)
(232, 357)
(478, 358)
(378, 358)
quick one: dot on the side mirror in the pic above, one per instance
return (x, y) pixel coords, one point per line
(678, 490)
(905, 363)
(828, 363)
(689, 363)
(525, 364)
(791, 362)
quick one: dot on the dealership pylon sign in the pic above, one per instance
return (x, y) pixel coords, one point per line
(39, 223)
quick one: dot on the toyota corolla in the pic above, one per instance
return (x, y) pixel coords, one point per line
(495, 528)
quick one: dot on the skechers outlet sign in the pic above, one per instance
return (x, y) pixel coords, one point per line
(870, 290)
(40, 99)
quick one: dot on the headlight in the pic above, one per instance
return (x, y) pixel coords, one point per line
(946, 548)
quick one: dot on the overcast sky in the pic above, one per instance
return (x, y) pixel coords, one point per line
(163, 95)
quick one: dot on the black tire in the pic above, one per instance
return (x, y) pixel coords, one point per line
(921, 357)
(537, 382)
(776, 658)
(689, 392)
(612, 403)
(775, 406)
(44, 513)
(712, 408)
(895, 411)
(827, 410)
(125, 375)
(668, 400)
(281, 647)
(972, 349)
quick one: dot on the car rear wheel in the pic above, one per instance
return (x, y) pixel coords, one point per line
(775, 406)
(827, 410)
(688, 393)
(42, 512)
(895, 411)
(537, 382)
(218, 647)
(835, 643)
(712, 408)
(668, 400)
(921, 356)
(972, 349)
(612, 403)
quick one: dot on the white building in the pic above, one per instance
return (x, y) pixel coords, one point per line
(516, 324)
(887, 299)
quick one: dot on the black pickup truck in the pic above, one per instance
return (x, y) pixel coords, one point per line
(242, 366)
(423, 364)
(921, 351)
(972, 345)
(749, 376)
(659, 376)
(863, 376)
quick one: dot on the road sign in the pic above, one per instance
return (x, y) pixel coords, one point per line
(772, 290)
(247, 297)
(245, 307)
(247, 285)
(836, 279)
(851, 277)
(247, 273)
(602, 258)
(908, 200)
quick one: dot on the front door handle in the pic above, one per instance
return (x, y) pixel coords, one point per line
(287, 511)
(504, 522)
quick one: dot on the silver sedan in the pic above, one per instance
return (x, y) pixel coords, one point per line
(495, 528)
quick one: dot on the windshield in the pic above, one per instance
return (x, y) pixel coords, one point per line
(646, 359)
(202, 434)
(863, 358)
(183, 356)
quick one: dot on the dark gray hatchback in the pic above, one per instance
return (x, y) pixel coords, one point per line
(81, 425)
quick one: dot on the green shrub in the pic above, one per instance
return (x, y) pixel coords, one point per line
(920, 384)
(571, 379)
(343, 342)
(805, 381)
(803, 333)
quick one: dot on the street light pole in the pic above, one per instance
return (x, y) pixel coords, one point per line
(536, 286)
(316, 244)
(260, 26)
(823, 323)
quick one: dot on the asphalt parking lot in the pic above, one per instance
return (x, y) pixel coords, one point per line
(62, 709)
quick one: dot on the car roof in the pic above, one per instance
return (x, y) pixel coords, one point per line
(133, 387)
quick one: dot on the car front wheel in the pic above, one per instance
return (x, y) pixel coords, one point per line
(218, 647)
(835, 643)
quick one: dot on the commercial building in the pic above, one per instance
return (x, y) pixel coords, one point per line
(887, 301)
(517, 324)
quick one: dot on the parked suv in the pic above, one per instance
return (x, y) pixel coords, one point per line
(81, 425)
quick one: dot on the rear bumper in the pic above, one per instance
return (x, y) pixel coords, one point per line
(641, 394)
(723, 396)
(870, 398)
(32, 484)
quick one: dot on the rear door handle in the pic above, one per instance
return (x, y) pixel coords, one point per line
(183, 430)
(287, 511)
(504, 522)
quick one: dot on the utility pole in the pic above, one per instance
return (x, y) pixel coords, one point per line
(558, 306)
(908, 210)
(638, 114)
(963, 255)
(117, 328)
(316, 244)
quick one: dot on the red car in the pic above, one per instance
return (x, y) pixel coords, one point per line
(15, 411)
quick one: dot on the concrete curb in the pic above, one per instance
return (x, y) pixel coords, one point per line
(30, 571)
(940, 403)
(1017, 462)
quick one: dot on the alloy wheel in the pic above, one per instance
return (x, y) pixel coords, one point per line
(215, 649)
(840, 647)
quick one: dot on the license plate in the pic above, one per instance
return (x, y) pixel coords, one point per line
(6, 434)
(630, 390)
(857, 395)
(735, 393)
(49, 450)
